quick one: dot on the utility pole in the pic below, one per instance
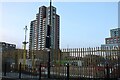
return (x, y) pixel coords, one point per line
(25, 52)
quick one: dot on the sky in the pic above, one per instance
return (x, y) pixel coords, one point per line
(82, 24)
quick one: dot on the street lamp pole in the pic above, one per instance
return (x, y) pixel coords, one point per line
(48, 34)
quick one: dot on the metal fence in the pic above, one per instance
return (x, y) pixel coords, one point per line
(77, 63)
(99, 62)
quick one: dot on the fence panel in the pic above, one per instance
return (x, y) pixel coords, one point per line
(97, 62)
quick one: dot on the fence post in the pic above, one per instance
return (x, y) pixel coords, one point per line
(67, 71)
(20, 71)
(108, 71)
(5, 69)
(40, 72)
(49, 64)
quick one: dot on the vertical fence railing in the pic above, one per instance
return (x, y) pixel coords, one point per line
(49, 65)
(108, 71)
(20, 71)
(5, 69)
(40, 72)
(118, 54)
(67, 71)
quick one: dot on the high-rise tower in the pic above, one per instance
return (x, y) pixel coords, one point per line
(38, 29)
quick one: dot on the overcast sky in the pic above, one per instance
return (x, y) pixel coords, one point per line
(82, 24)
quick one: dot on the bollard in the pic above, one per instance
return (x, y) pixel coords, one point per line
(20, 71)
(5, 69)
(40, 72)
(67, 71)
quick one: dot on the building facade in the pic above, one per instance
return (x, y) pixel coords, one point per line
(6, 47)
(38, 29)
(114, 39)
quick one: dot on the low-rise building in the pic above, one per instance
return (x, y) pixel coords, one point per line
(5, 49)
(113, 40)
(6, 46)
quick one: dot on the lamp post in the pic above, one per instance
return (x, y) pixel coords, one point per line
(48, 42)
